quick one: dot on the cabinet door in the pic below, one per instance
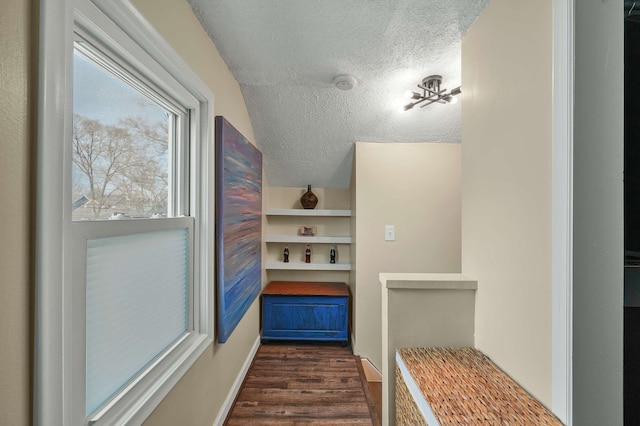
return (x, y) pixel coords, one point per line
(305, 317)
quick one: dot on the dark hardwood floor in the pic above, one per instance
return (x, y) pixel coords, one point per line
(293, 383)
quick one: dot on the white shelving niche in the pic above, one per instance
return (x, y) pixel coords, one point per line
(283, 226)
(309, 212)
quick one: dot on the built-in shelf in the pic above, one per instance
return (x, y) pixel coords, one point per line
(301, 239)
(308, 212)
(301, 266)
(307, 240)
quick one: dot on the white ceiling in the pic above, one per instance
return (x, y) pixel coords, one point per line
(286, 53)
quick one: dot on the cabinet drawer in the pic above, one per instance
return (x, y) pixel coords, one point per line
(305, 317)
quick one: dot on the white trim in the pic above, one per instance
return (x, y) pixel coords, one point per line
(302, 266)
(237, 384)
(414, 390)
(307, 212)
(52, 257)
(304, 239)
(562, 209)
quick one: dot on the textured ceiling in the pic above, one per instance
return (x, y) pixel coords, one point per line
(286, 53)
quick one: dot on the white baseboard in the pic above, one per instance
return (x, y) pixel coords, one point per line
(233, 392)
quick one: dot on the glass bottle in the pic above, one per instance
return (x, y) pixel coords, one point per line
(307, 254)
(286, 254)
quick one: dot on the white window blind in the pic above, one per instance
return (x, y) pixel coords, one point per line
(137, 305)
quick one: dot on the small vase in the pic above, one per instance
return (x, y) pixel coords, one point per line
(309, 199)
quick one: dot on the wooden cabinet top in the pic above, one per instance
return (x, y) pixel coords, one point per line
(306, 288)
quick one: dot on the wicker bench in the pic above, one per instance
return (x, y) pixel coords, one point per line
(454, 386)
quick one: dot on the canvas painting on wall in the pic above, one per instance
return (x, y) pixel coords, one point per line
(238, 226)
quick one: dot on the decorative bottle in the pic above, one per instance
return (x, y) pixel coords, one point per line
(332, 254)
(286, 255)
(307, 254)
(309, 199)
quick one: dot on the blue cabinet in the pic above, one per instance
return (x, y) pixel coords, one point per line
(293, 310)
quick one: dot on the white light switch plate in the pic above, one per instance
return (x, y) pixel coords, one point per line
(389, 233)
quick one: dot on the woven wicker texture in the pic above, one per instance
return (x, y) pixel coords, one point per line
(407, 412)
(463, 387)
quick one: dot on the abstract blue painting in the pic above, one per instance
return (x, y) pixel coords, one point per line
(238, 226)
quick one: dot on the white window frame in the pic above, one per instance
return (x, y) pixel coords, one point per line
(102, 57)
(117, 24)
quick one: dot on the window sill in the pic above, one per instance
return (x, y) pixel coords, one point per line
(146, 393)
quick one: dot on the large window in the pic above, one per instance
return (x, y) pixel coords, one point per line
(125, 221)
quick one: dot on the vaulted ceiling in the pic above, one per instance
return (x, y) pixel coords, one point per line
(285, 54)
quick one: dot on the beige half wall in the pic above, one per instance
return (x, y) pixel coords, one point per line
(416, 188)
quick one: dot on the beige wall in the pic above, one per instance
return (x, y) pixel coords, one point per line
(199, 395)
(416, 187)
(18, 95)
(506, 186)
(177, 24)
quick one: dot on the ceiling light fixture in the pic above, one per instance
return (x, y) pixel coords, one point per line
(431, 93)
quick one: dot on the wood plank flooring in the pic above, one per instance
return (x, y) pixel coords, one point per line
(311, 384)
